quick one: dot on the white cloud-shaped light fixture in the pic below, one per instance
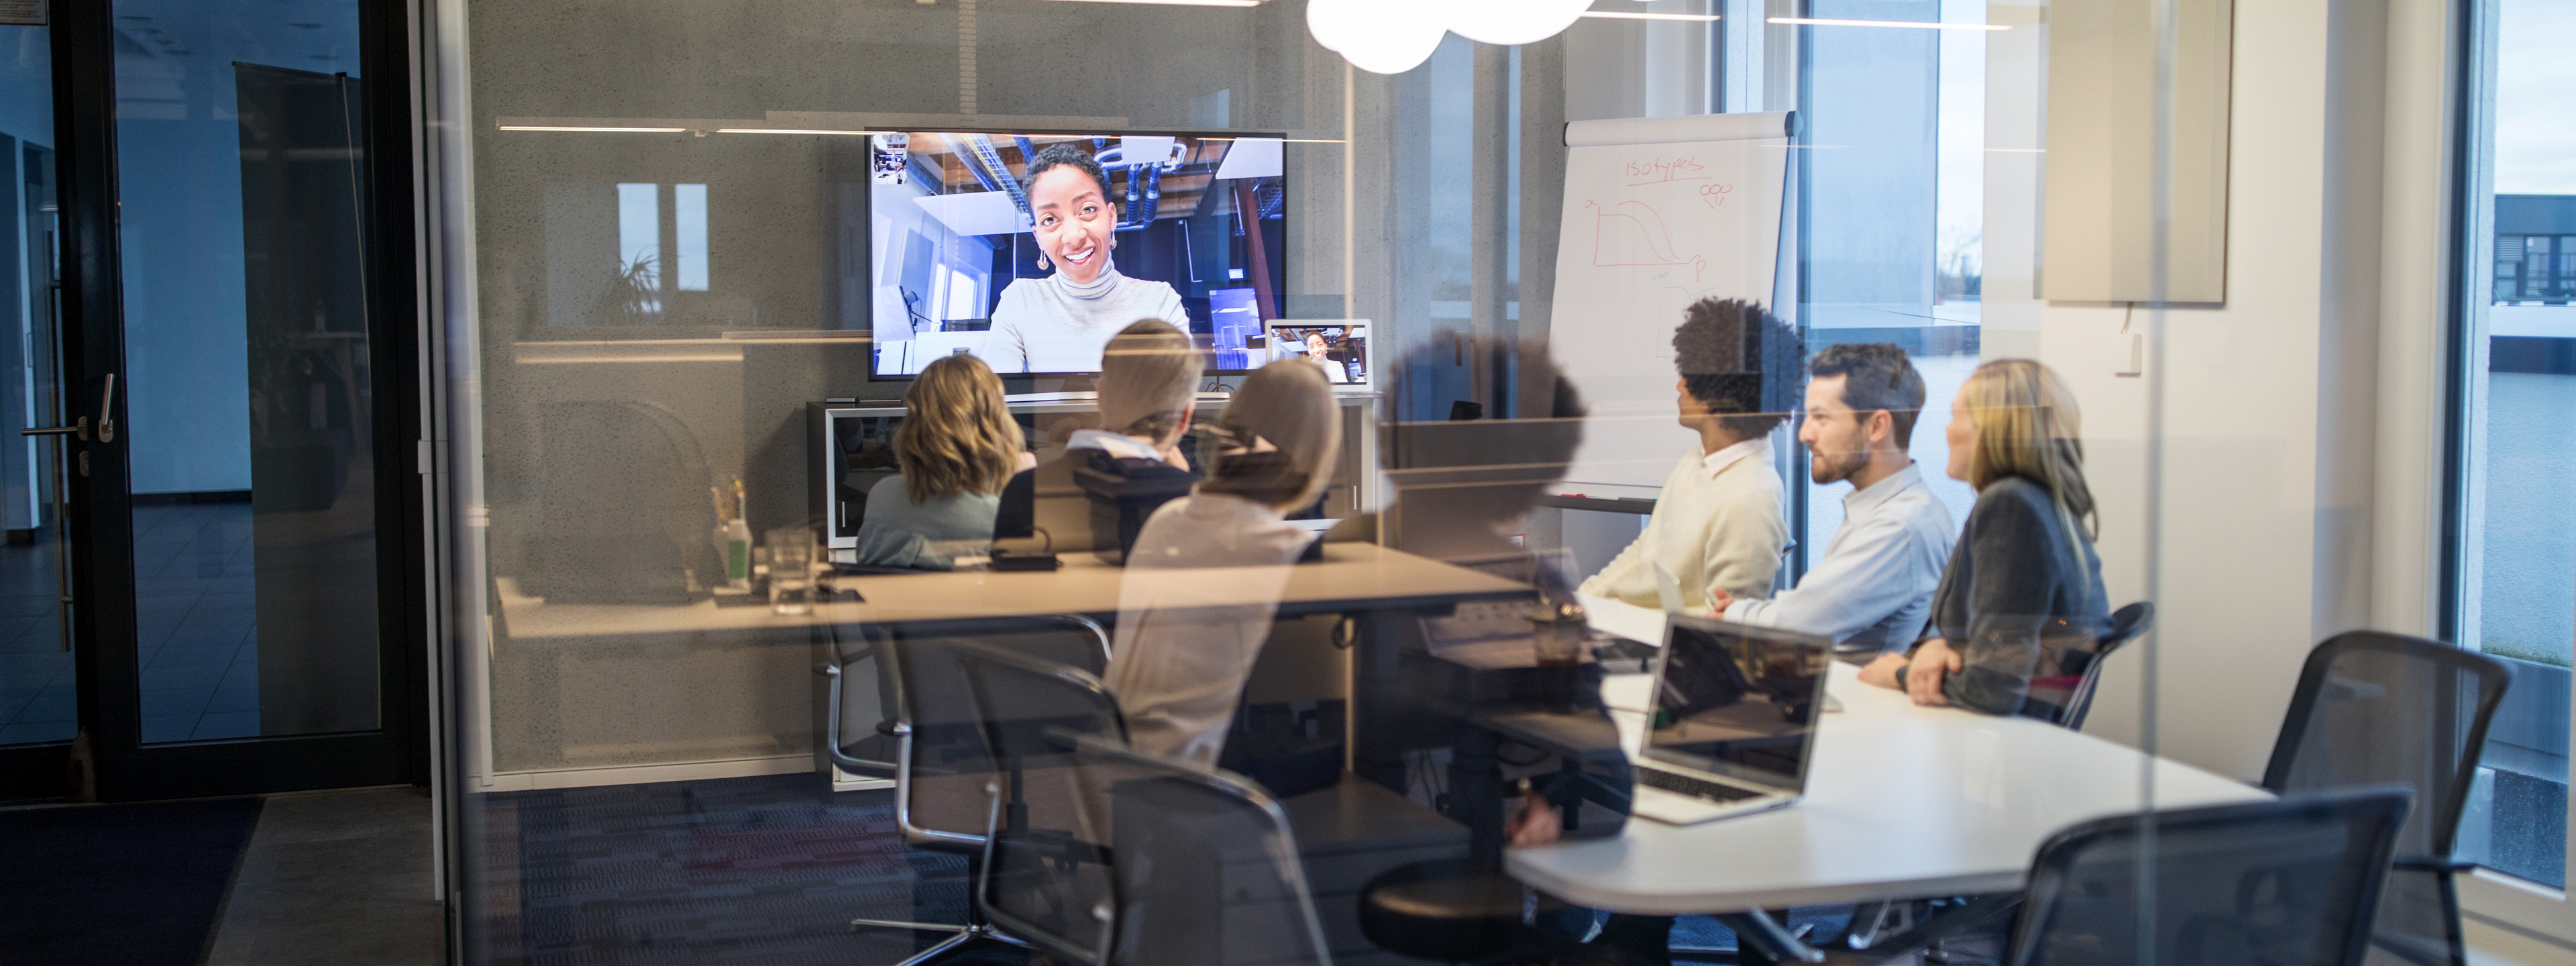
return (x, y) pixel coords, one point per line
(1394, 36)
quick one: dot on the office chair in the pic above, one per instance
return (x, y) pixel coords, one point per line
(2127, 624)
(943, 758)
(2374, 707)
(1205, 870)
(2065, 694)
(2291, 882)
(1046, 864)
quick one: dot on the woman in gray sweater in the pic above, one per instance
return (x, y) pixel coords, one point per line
(2024, 586)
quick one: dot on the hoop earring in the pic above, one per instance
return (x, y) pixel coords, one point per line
(1043, 266)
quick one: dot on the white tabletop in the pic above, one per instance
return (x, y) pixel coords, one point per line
(1902, 802)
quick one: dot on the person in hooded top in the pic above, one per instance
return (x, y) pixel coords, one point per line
(1204, 580)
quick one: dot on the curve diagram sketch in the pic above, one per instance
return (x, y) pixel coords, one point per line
(1633, 233)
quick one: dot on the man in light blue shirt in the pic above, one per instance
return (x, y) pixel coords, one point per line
(1873, 590)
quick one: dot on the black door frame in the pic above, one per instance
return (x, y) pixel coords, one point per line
(101, 520)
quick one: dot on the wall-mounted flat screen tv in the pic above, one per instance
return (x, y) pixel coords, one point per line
(1030, 250)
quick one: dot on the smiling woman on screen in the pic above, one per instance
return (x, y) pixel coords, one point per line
(1060, 323)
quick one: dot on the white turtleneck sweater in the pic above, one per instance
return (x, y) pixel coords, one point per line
(1053, 325)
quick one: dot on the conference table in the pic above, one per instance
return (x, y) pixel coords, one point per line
(1902, 802)
(1348, 577)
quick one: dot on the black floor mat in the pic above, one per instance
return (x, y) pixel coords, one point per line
(118, 885)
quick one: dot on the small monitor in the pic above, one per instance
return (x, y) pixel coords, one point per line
(1738, 701)
(965, 251)
(1340, 346)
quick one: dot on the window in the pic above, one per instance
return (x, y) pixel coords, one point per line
(2517, 596)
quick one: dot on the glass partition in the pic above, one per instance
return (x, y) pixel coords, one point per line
(1414, 413)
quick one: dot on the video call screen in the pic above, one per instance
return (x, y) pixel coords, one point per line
(969, 255)
(1341, 349)
(1736, 705)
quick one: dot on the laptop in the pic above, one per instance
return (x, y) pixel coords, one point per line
(1346, 357)
(1731, 724)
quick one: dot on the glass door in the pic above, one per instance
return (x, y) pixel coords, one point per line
(39, 703)
(244, 611)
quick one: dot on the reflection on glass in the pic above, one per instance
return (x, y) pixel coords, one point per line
(241, 179)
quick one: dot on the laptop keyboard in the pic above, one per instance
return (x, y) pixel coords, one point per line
(1686, 785)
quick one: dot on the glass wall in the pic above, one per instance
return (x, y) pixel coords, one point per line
(1097, 473)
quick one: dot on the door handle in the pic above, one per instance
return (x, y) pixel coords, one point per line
(80, 429)
(106, 407)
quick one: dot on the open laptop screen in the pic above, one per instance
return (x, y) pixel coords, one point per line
(1738, 701)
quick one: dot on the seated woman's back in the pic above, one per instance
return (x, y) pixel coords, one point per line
(957, 448)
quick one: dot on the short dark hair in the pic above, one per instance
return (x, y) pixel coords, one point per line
(1876, 375)
(1737, 358)
(1065, 153)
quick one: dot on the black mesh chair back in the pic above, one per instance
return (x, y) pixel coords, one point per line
(944, 758)
(2281, 883)
(1046, 860)
(2375, 708)
(2127, 624)
(1204, 869)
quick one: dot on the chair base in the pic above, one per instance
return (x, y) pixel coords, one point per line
(958, 937)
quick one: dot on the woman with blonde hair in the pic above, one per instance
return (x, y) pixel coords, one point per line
(1205, 576)
(2023, 584)
(1109, 481)
(957, 447)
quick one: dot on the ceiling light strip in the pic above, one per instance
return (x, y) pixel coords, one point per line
(1181, 3)
(784, 130)
(1916, 24)
(1617, 15)
(630, 130)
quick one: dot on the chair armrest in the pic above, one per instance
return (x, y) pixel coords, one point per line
(2431, 863)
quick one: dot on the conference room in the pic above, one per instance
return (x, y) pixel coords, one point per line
(1646, 481)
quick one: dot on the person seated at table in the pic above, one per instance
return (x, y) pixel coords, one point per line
(956, 448)
(1873, 590)
(2023, 583)
(1109, 481)
(1717, 521)
(1206, 574)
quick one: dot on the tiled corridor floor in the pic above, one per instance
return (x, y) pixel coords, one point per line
(195, 630)
(195, 621)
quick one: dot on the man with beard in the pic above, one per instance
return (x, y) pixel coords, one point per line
(1872, 591)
